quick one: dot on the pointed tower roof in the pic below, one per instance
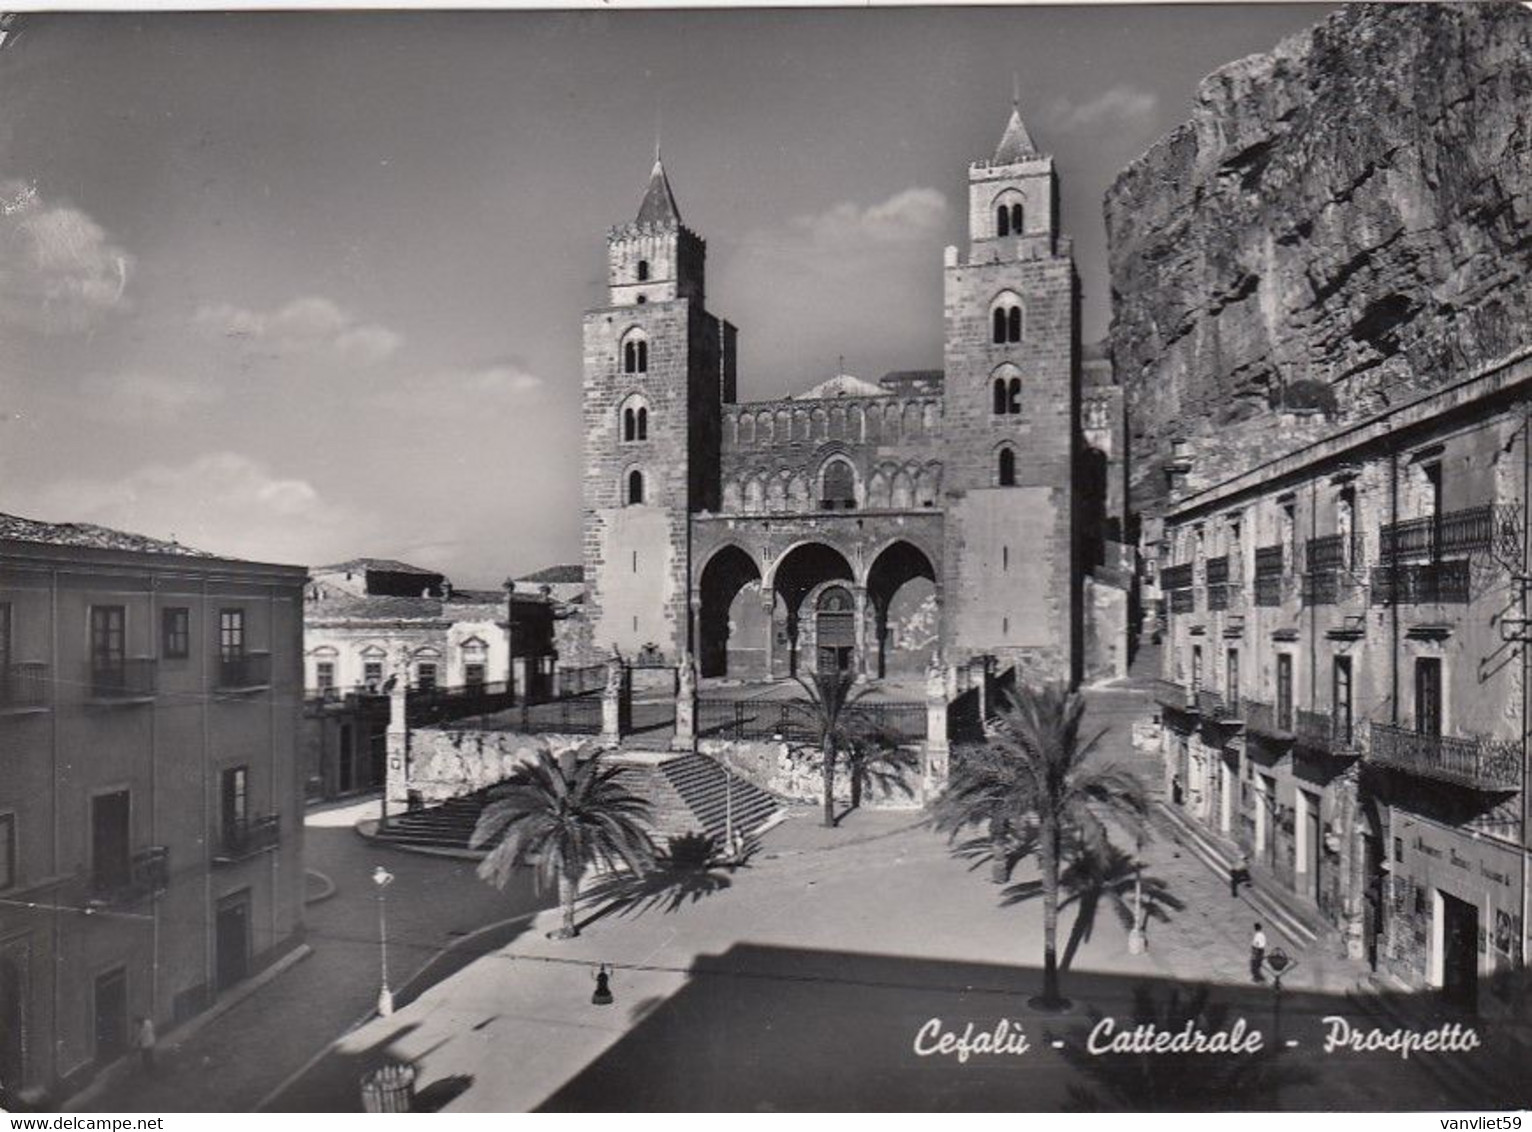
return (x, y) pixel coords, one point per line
(659, 205)
(1016, 144)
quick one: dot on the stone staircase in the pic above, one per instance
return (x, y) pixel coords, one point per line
(686, 793)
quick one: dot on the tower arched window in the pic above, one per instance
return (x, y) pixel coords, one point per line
(643, 271)
(1007, 319)
(635, 419)
(1003, 220)
(643, 423)
(838, 487)
(1005, 470)
(635, 488)
(1007, 395)
(635, 354)
(1008, 214)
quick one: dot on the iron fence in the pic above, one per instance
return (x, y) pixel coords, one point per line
(426, 706)
(1480, 764)
(1321, 731)
(567, 715)
(578, 681)
(123, 678)
(794, 721)
(1486, 528)
(1329, 552)
(245, 837)
(24, 686)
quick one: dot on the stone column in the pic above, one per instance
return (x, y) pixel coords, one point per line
(1352, 863)
(694, 632)
(768, 605)
(685, 738)
(933, 777)
(611, 702)
(859, 606)
(397, 772)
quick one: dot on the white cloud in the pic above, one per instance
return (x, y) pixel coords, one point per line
(139, 397)
(221, 502)
(468, 391)
(305, 325)
(59, 272)
(1118, 106)
(907, 216)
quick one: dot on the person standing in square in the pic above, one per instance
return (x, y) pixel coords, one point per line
(1257, 954)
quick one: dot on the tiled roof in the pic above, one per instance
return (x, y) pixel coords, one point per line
(659, 206)
(381, 565)
(374, 607)
(90, 535)
(556, 575)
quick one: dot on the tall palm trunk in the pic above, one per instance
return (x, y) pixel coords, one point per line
(1050, 870)
(569, 888)
(999, 851)
(828, 755)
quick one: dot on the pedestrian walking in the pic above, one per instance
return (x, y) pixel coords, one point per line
(1257, 954)
(1239, 874)
(144, 1039)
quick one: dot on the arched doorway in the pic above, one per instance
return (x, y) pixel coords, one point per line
(802, 572)
(835, 631)
(732, 633)
(901, 588)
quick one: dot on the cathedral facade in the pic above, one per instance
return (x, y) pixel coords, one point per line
(858, 526)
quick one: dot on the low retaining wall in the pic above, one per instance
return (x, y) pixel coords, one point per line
(446, 763)
(793, 773)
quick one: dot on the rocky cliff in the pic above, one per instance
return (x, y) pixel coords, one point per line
(1353, 209)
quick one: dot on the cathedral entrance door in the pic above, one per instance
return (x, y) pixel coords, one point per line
(835, 631)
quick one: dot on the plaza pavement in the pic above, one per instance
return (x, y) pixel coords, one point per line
(802, 981)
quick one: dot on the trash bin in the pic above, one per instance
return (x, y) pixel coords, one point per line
(389, 1088)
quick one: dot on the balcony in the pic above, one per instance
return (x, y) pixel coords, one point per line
(1177, 577)
(24, 688)
(1322, 732)
(126, 680)
(1183, 601)
(1177, 697)
(1268, 590)
(1472, 530)
(1218, 570)
(1421, 583)
(1330, 552)
(1262, 719)
(146, 873)
(1218, 597)
(1479, 764)
(1329, 587)
(244, 672)
(247, 837)
(1270, 561)
(1212, 706)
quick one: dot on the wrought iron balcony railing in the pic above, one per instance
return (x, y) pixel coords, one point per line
(145, 873)
(1270, 561)
(244, 670)
(122, 678)
(245, 837)
(1168, 693)
(1176, 577)
(1421, 583)
(1321, 731)
(1214, 705)
(24, 686)
(1489, 765)
(1331, 552)
(1218, 597)
(1487, 528)
(1218, 570)
(1329, 587)
(1268, 590)
(1183, 601)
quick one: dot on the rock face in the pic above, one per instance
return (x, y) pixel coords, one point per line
(1352, 209)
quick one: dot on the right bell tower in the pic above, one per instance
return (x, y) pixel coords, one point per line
(1011, 421)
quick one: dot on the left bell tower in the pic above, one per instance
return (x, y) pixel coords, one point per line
(657, 368)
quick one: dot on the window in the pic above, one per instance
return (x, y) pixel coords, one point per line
(1290, 535)
(234, 795)
(643, 423)
(7, 851)
(1005, 558)
(1345, 525)
(324, 675)
(1428, 695)
(372, 674)
(175, 633)
(643, 271)
(1007, 400)
(473, 675)
(1006, 469)
(110, 840)
(231, 633)
(839, 490)
(1231, 685)
(1008, 219)
(635, 488)
(1284, 691)
(1341, 699)
(1007, 319)
(1196, 668)
(108, 637)
(635, 355)
(425, 676)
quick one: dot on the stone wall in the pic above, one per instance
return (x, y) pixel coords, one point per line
(1353, 208)
(793, 773)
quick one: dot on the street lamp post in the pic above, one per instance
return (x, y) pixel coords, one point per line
(383, 878)
(1279, 963)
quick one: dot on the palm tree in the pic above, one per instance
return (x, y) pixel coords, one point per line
(841, 725)
(561, 816)
(1035, 778)
(988, 789)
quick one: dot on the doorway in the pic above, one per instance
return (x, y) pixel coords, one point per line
(1312, 845)
(1460, 952)
(111, 1004)
(233, 940)
(835, 631)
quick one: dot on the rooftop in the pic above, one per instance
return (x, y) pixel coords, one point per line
(555, 575)
(379, 565)
(91, 536)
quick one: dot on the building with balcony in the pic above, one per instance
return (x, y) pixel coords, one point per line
(1345, 670)
(150, 798)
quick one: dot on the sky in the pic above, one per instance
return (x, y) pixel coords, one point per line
(303, 287)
